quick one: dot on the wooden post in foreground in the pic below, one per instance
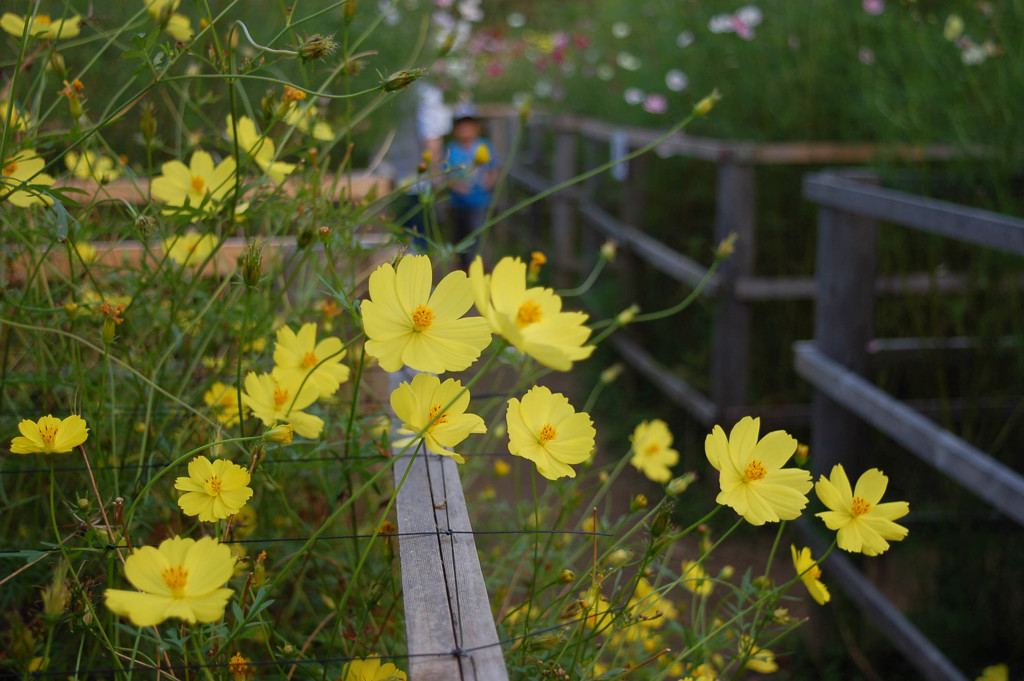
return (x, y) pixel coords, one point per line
(845, 270)
(449, 626)
(735, 200)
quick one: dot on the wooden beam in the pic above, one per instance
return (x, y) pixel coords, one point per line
(563, 219)
(844, 314)
(674, 387)
(450, 629)
(971, 225)
(970, 467)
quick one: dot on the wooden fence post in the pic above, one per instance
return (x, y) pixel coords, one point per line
(845, 270)
(631, 203)
(735, 200)
(563, 214)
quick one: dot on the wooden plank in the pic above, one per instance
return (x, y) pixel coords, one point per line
(133, 254)
(449, 625)
(674, 387)
(136, 190)
(843, 324)
(971, 225)
(753, 289)
(735, 200)
(898, 630)
(992, 481)
(674, 264)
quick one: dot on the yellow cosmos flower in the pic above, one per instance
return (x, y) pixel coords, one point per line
(21, 177)
(652, 450)
(177, 25)
(182, 578)
(298, 354)
(864, 525)
(752, 479)
(213, 490)
(190, 248)
(810, 574)
(85, 251)
(41, 26)
(482, 156)
(260, 149)
(89, 165)
(996, 672)
(407, 324)
(223, 402)
(20, 121)
(760, 660)
(531, 319)
(50, 435)
(427, 400)
(200, 186)
(545, 429)
(272, 401)
(306, 119)
(695, 578)
(371, 669)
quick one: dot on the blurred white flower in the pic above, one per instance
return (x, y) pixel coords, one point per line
(628, 61)
(516, 20)
(684, 39)
(633, 95)
(620, 29)
(676, 80)
(605, 71)
(866, 56)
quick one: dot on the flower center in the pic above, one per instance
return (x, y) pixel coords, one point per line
(198, 184)
(860, 506)
(310, 360)
(755, 470)
(652, 448)
(11, 168)
(49, 435)
(213, 485)
(422, 317)
(280, 397)
(43, 18)
(175, 577)
(529, 313)
(815, 572)
(443, 418)
(548, 433)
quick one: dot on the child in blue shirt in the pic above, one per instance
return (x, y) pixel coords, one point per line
(473, 171)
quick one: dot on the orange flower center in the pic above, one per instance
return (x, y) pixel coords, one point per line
(422, 317)
(280, 397)
(652, 448)
(175, 577)
(198, 184)
(443, 418)
(310, 360)
(860, 506)
(49, 435)
(548, 433)
(529, 313)
(815, 572)
(213, 485)
(755, 470)
(11, 168)
(43, 18)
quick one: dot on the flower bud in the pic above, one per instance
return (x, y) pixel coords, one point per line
(525, 110)
(617, 557)
(109, 328)
(259, 570)
(727, 246)
(55, 595)
(567, 577)
(281, 433)
(57, 65)
(726, 572)
(782, 617)
(447, 44)
(317, 47)
(83, 504)
(147, 123)
(802, 454)
(611, 373)
(546, 641)
(71, 309)
(589, 525)
(400, 80)
(252, 264)
(638, 503)
(609, 249)
(627, 315)
(662, 522)
(350, 10)
(704, 106)
(501, 468)
(679, 485)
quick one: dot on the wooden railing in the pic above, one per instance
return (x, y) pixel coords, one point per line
(735, 287)
(847, 404)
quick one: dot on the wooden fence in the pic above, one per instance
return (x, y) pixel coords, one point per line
(735, 287)
(846, 403)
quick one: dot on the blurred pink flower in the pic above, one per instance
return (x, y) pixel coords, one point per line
(873, 7)
(656, 103)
